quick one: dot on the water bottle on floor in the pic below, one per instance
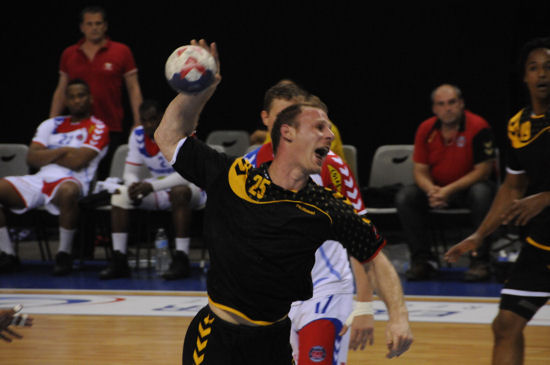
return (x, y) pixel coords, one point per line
(162, 253)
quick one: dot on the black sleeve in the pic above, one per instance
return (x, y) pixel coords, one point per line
(484, 146)
(356, 233)
(511, 159)
(199, 163)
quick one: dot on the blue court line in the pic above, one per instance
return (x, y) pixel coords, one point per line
(37, 275)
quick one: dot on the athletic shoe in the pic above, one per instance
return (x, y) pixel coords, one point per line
(8, 263)
(478, 271)
(118, 267)
(179, 267)
(63, 264)
(421, 270)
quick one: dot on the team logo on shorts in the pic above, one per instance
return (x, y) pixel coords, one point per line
(317, 353)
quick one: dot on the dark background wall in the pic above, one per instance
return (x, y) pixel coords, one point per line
(375, 68)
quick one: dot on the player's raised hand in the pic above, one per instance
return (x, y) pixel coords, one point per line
(213, 49)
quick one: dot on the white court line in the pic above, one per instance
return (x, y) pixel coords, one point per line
(139, 303)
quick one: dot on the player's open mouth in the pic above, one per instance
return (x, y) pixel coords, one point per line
(543, 86)
(321, 152)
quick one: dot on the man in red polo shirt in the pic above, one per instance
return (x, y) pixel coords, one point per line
(453, 157)
(104, 65)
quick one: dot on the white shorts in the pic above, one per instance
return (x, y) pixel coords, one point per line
(35, 192)
(334, 308)
(157, 200)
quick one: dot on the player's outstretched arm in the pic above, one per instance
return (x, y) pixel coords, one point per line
(512, 188)
(388, 286)
(182, 114)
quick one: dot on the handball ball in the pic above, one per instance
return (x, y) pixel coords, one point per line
(190, 69)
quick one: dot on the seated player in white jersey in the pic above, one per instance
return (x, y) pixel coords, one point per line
(67, 151)
(319, 325)
(165, 190)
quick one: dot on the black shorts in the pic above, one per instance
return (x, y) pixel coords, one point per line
(528, 286)
(212, 341)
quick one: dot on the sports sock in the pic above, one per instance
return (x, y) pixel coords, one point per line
(5, 241)
(182, 244)
(120, 241)
(66, 239)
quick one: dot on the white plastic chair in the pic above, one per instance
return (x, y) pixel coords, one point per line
(391, 164)
(13, 159)
(234, 142)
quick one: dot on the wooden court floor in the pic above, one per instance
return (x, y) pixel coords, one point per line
(88, 339)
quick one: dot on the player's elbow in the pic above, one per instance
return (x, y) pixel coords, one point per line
(165, 141)
(160, 137)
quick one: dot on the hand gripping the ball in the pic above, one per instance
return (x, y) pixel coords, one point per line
(192, 68)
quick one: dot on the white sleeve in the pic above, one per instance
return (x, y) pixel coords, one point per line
(169, 181)
(134, 160)
(131, 173)
(134, 156)
(43, 132)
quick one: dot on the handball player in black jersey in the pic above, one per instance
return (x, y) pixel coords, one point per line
(262, 227)
(523, 200)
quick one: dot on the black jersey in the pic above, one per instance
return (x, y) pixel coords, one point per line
(529, 152)
(262, 238)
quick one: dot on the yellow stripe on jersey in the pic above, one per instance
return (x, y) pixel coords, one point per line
(202, 339)
(537, 245)
(242, 315)
(520, 134)
(238, 174)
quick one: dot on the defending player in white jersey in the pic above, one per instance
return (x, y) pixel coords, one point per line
(67, 151)
(165, 190)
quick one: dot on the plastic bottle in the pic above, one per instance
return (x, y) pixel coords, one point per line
(162, 253)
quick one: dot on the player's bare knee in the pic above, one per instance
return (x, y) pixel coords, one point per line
(5, 189)
(180, 195)
(67, 193)
(9, 196)
(506, 324)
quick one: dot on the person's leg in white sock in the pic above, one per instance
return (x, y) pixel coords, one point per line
(182, 244)
(120, 241)
(66, 237)
(5, 241)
